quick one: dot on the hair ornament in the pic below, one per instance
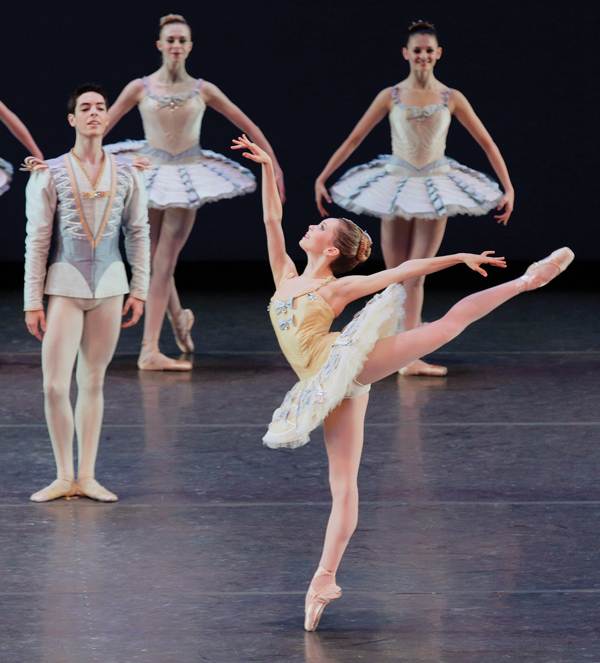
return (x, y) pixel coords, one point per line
(421, 24)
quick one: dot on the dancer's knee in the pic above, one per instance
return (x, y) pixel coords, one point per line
(92, 381)
(414, 285)
(451, 325)
(56, 390)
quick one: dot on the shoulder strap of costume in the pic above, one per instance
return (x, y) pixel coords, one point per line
(447, 97)
(329, 279)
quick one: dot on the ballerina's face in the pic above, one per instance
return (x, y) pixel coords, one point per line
(320, 239)
(175, 42)
(91, 115)
(422, 52)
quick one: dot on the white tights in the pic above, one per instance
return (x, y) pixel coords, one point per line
(169, 231)
(344, 427)
(86, 329)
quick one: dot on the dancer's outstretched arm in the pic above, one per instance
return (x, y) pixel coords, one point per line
(349, 288)
(374, 114)
(281, 263)
(19, 131)
(465, 114)
(130, 96)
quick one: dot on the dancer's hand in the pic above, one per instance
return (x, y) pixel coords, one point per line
(320, 193)
(256, 153)
(137, 308)
(474, 261)
(507, 204)
(36, 323)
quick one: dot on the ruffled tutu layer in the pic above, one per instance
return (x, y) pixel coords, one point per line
(310, 401)
(189, 179)
(388, 187)
(6, 173)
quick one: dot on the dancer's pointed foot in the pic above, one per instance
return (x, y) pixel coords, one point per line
(151, 359)
(322, 591)
(89, 487)
(542, 272)
(420, 367)
(182, 324)
(58, 488)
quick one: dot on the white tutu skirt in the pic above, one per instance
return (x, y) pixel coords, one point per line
(6, 173)
(388, 186)
(189, 179)
(309, 402)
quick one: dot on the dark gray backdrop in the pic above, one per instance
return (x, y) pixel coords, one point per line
(305, 71)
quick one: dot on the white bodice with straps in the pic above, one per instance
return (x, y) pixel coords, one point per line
(419, 133)
(172, 123)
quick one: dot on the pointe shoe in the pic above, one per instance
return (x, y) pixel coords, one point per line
(316, 601)
(422, 368)
(89, 487)
(154, 360)
(182, 325)
(561, 259)
(58, 488)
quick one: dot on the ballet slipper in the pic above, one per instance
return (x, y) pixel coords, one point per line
(151, 359)
(182, 324)
(533, 278)
(89, 487)
(419, 367)
(58, 488)
(317, 600)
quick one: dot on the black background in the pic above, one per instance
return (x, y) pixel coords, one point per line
(305, 72)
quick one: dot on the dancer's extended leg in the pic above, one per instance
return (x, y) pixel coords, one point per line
(64, 325)
(344, 433)
(101, 328)
(174, 229)
(390, 354)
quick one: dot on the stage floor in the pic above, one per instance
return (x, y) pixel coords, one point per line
(478, 538)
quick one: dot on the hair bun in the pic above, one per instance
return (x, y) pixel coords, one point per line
(421, 25)
(364, 248)
(171, 18)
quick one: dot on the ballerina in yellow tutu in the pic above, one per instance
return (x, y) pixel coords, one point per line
(337, 369)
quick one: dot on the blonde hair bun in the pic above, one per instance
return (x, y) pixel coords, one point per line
(364, 248)
(171, 18)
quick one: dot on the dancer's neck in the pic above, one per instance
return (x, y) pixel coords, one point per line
(421, 80)
(173, 74)
(89, 149)
(317, 268)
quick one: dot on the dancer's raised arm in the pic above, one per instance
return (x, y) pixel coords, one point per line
(131, 96)
(19, 131)
(350, 288)
(373, 116)
(281, 263)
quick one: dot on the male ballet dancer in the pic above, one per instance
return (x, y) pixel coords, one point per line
(84, 198)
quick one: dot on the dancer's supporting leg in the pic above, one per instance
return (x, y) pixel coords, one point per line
(344, 433)
(64, 327)
(402, 240)
(101, 328)
(171, 228)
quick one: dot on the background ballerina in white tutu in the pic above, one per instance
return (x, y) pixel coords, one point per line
(416, 188)
(337, 369)
(184, 176)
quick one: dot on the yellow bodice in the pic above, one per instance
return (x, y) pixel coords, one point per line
(302, 325)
